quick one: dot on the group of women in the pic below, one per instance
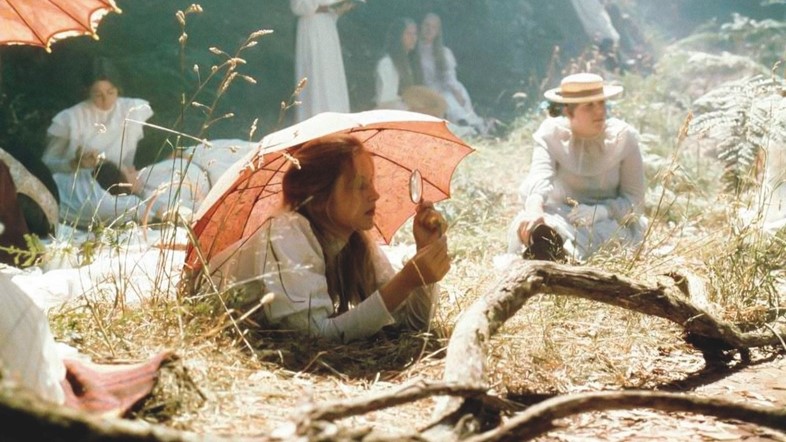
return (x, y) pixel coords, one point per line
(418, 73)
(585, 188)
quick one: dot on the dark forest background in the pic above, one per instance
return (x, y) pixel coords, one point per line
(505, 49)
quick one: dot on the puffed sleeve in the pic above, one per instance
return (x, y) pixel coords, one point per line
(540, 178)
(56, 155)
(138, 111)
(27, 349)
(450, 70)
(387, 80)
(287, 257)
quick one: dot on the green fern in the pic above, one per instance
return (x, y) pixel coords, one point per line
(740, 115)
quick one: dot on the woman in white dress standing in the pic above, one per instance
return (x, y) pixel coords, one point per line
(318, 57)
(438, 66)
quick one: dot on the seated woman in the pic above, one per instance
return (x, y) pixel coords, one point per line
(97, 128)
(327, 277)
(585, 185)
(438, 66)
(396, 80)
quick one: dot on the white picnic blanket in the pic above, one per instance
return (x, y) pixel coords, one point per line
(132, 264)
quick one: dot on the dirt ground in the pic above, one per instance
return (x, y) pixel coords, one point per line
(763, 383)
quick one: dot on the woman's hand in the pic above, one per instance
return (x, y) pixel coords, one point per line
(530, 220)
(86, 159)
(131, 175)
(431, 263)
(428, 225)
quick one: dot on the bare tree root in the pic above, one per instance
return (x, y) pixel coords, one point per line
(466, 353)
(25, 417)
(409, 393)
(538, 419)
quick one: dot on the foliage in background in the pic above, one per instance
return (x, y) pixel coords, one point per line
(503, 48)
(739, 116)
(743, 35)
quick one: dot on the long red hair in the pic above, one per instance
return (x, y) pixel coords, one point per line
(308, 189)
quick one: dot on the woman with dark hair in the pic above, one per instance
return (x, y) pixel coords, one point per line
(438, 67)
(98, 127)
(90, 132)
(585, 186)
(326, 276)
(397, 77)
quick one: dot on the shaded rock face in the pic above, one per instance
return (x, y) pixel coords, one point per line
(701, 72)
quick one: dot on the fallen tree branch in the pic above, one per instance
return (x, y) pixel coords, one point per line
(331, 411)
(464, 379)
(538, 419)
(466, 353)
(25, 417)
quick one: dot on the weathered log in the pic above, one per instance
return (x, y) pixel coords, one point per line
(538, 419)
(25, 417)
(466, 353)
(408, 393)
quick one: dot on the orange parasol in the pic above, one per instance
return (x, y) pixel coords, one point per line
(399, 141)
(42, 22)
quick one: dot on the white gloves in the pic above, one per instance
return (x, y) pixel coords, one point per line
(585, 215)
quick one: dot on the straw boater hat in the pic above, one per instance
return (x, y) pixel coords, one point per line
(582, 88)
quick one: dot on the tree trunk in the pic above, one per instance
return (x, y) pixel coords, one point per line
(25, 417)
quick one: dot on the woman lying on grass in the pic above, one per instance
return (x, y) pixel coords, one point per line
(327, 277)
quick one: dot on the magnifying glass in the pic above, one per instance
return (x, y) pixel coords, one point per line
(416, 187)
(434, 219)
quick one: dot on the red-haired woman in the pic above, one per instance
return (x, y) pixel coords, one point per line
(327, 277)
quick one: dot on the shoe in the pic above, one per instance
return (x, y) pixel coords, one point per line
(545, 244)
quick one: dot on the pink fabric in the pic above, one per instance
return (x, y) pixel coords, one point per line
(110, 389)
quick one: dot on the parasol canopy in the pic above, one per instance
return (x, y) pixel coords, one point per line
(399, 142)
(43, 22)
